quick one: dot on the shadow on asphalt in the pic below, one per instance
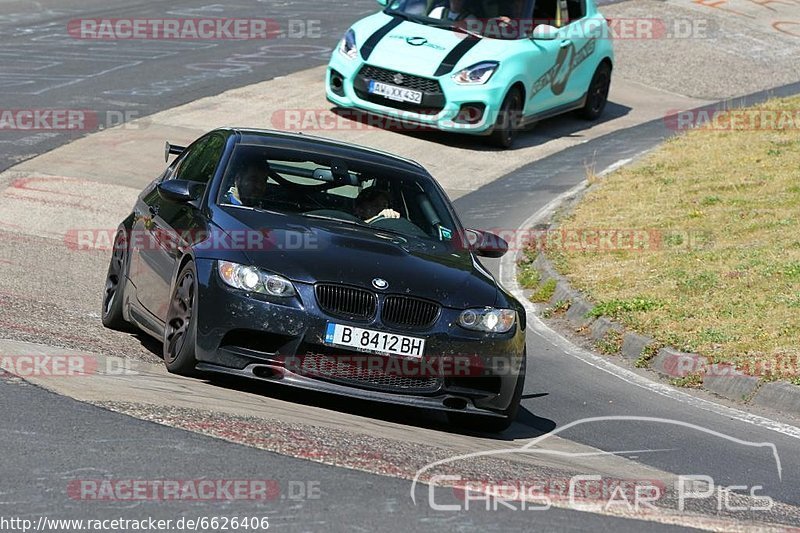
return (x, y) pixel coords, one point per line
(567, 125)
(526, 426)
(150, 344)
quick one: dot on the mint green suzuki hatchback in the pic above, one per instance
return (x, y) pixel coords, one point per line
(482, 67)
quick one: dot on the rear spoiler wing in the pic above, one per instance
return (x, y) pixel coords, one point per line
(172, 149)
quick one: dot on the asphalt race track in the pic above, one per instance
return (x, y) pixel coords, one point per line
(44, 66)
(338, 465)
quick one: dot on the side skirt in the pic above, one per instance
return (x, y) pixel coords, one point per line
(141, 317)
(559, 110)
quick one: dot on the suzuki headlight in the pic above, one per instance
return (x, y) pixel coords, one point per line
(348, 46)
(252, 279)
(476, 74)
(488, 319)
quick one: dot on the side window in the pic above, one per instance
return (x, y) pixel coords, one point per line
(202, 159)
(546, 12)
(576, 9)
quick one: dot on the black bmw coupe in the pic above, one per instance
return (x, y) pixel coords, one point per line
(321, 265)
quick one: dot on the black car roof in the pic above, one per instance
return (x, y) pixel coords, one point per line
(313, 143)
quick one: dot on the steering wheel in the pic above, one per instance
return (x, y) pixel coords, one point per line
(305, 190)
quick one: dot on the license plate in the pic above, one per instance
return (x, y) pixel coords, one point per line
(374, 341)
(393, 92)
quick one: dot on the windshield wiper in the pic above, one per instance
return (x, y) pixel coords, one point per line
(462, 29)
(254, 208)
(335, 219)
(362, 225)
(401, 15)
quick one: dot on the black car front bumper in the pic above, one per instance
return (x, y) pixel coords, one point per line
(271, 340)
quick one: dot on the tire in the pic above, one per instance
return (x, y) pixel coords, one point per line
(597, 94)
(180, 329)
(111, 313)
(509, 121)
(487, 424)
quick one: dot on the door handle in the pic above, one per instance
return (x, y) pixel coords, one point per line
(565, 43)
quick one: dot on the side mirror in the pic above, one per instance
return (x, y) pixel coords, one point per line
(180, 191)
(545, 32)
(486, 244)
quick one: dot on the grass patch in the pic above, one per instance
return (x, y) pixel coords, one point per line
(527, 275)
(619, 308)
(693, 381)
(723, 279)
(545, 291)
(559, 307)
(610, 344)
(649, 352)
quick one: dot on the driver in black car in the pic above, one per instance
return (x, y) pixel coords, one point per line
(249, 184)
(373, 204)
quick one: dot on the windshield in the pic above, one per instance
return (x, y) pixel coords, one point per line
(370, 196)
(499, 19)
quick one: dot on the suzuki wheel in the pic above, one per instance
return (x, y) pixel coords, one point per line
(509, 121)
(597, 95)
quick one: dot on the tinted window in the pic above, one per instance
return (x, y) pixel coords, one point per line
(497, 19)
(545, 12)
(202, 159)
(577, 9)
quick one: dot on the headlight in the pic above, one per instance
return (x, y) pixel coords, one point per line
(252, 279)
(348, 46)
(476, 74)
(488, 319)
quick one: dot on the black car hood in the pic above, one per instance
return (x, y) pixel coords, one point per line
(312, 250)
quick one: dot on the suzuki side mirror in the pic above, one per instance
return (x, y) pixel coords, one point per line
(545, 32)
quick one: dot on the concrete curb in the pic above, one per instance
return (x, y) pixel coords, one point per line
(669, 362)
(602, 327)
(634, 345)
(672, 363)
(779, 393)
(736, 387)
(578, 312)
